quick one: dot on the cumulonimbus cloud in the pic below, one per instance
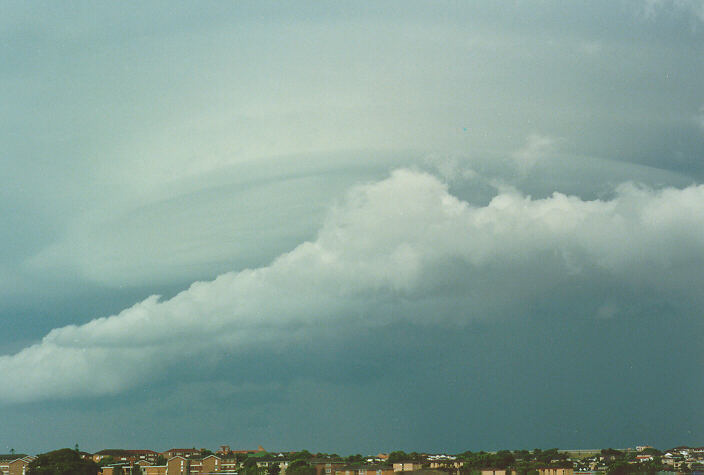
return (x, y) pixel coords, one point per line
(391, 239)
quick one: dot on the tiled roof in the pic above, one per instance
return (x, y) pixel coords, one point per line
(113, 452)
(365, 467)
(10, 457)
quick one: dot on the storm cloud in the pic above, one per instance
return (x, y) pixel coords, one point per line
(387, 244)
(452, 225)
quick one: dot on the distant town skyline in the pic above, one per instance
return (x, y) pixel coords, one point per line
(184, 461)
(352, 226)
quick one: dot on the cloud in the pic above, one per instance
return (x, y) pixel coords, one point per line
(449, 167)
(606, 311)
(591, 48)
(203, 226)
(400, 249)
(692, 7)
(699, 118)
(536, 148)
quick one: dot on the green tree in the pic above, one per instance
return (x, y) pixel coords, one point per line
(522, 454)
(303, 454)
(249, 462)
(160, 460)
(60, 462)
(619, 468)
(651, 451)
(502, 459)
(249, 467)
(107, 460)
(354, 458)
(300, 467)
(136, 469)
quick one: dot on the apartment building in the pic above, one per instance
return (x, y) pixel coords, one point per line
(179, 465)
(555, 471)
(326, 466)
(365, 470)
(15, 466)
(128, 456)
(186, 453)
(407, 466)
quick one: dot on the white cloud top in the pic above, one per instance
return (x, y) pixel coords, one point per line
(389, 241)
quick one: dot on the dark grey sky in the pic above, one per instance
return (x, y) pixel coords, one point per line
(352, 227)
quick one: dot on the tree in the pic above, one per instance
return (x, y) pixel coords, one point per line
(502, 459)
(205, 452)
(303, 454)
(250, 467)
(300, 467)
(354, 458)
(60, 462)
(250, 462)
(107, 460)
(136, 469)
(651, 451)
(160, 460)
(619, 468)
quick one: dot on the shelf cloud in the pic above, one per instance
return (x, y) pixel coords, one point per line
(405, 242)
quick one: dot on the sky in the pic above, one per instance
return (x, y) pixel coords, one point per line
(351, 227)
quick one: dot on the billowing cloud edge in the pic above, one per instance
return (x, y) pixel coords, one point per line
(388, 240)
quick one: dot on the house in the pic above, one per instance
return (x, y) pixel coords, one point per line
(445, 463)
(208, 464)
(154, 470)
(267, 462)
(113, 469)
(365, 470)
(119, 455)
(179, 465)
(16, 465)
(228, 464)
(427, 471)
(224, 450)
(407, 466)
(246, 452)
(555, 471)
(143, 454)
(437, 464)
(185, 453)
(495, 471)
(324, 466)
(122, 455)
